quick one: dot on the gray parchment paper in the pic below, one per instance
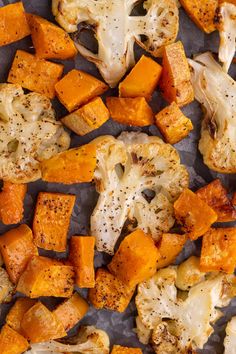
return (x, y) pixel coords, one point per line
(120, 326)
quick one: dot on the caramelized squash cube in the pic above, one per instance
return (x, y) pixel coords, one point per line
(12, 342)
(16, 313)
(117, 349)
(169, 247)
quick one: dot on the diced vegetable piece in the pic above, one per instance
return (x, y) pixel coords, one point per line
(6, 287)
(202, 12)
(110, 292)
(234, 199)
(87, 118)
(52, 220)
(46, 277)
(215, 195)
(175, 81)
(77, 88)
(13, 23)
(17, 248)
(35, 74)
(189, 274)
(142, 80)
(173, 124)
(82, 259)
(12, 202)
(41, 325)
(136, 259)
(130, 111)
(218, 250)
(169, 247)
(49, 40)
(16, 313)
(72, 166)
(71, 311)
(193, 214)
(117, 349)
(12, 342)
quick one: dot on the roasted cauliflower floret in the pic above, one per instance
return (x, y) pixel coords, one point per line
(29, 133)
(230, 339)
(116, 31)
(6, 287)
(126, 168)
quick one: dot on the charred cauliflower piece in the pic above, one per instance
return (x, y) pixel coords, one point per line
(29, 133)
(116, 31)
(6, 287)
(127, 168)
(230, 339)
(216, 91)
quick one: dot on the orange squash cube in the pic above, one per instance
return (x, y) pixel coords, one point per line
(87, 118)
(17, 248)
(77, 88)
(142, 80)
(82, 258)
(130, 111)
(117, 349)
(49, 40)
(195, 216)
(41, 325)
(173, 124)
(52, 220)
(16, 313)
(35, 74)
(218, 250)
(13, 23)
(109, 292)
(12, 342)
(136, 259)
(46, 277)
(169, 247)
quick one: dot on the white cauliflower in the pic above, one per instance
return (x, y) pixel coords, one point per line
(216, 91)
(116, 30)
(6, 287)
(126, 167)
(230, 339)
(29, 133)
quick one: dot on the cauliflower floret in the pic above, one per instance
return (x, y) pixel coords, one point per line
(230, 339)
(216, 91)
(116, 31)
(126, 168)
(6, 287)
(143, 332)
(29, 133)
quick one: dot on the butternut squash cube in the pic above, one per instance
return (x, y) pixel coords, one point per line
(41, 325)
(12, 203)
(130, 111)
(117, 349)
(71, 311)
(71, 166)
(49, 40)
(87, 118)
(234, 199)
(16, 313)
(142, 80)
(13, 23)
(12, 342)
(169, 247)
(110, 293)
(35, 74)
(173, 124)
(82, 258)
(46, 277)
(77, 88)
(195, 216)
(17, 248)
(52, 220)
(136, 259)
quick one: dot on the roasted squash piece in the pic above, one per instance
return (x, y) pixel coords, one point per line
(215, 195)
(218, 250)
(12, 203)
(169, 247)
(110, 292)
(17, 248)
(46, 277)
(136, 259)
(35, 74)
(142, 80)
(52, 220)
(82, 258)
(72, 166)
(49, 40)
(234, 199)
(87, 118)
(71, 311)
(173, 124)
(16, 313)
(195, 216)
(77, 88)
(130, 111)
(41, 325)
(117, 349)
(13, 23)
(12, 342)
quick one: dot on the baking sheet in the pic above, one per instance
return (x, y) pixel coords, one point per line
(120, 326)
